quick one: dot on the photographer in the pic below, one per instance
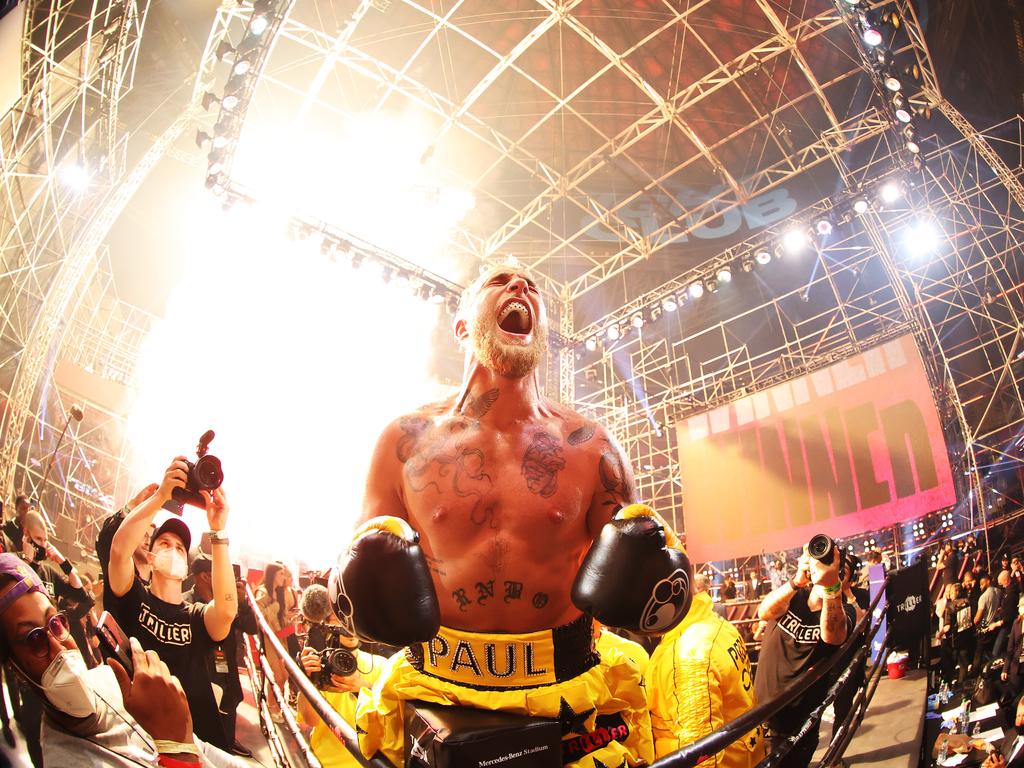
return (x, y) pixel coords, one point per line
(326, 641)
(808, 620)
(156, 613)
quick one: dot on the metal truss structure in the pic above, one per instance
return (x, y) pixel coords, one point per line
(620, 152)
(63, 156)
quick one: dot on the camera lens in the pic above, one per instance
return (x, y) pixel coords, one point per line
(208, 473)
(340, 661)
(821, 548)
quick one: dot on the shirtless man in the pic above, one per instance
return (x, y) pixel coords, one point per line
(507, 491)
(506, 488)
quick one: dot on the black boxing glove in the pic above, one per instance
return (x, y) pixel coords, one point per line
(636, 575)
(381, 588)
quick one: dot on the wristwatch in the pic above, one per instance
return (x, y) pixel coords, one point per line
(218, 537)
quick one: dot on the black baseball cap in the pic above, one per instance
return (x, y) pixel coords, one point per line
(176, 526)
(201, 563)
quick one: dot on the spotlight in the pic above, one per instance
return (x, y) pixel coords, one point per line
(763, 257)
(899, 105)
(224, 50)
(921, 238)
(696, 289)
(591, 344)
(75, 176)
(872, 36)
(891, 192)
(229, 102)
(860, 206)
(823, 227)
(669, 304)
(892, 18)
(259, 24)
(613, 333)
(637, 321)
(220, 141)
(242, 67)
(747, 264)
(711, 285)
(794, 241)
(910, 134)
(725, 274)
(892, 83)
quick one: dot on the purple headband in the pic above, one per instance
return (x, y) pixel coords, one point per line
(26, 579)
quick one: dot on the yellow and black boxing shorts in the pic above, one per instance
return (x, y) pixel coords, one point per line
(599, 701)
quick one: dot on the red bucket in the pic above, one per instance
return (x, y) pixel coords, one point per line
(897, 665)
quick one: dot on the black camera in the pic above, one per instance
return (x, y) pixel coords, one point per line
(203, 475)
(335, 658)
(822, 548)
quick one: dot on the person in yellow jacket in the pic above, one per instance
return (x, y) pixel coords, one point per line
(699, 679)
(605, 640)
(342, 696)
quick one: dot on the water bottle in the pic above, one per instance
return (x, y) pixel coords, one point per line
(943, 751)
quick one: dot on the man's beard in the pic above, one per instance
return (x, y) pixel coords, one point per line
(512, 361)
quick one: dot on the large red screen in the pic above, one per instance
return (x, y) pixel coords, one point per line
(849, 448)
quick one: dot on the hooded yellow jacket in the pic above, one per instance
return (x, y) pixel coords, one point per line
(699, 679)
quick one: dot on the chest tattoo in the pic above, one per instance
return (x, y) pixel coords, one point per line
(543, 460)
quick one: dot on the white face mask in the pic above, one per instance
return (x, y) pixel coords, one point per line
(64, 684)
(170, 563)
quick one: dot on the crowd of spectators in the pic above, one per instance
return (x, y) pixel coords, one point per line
(186, 612)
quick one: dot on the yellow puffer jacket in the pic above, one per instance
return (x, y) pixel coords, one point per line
(699, 679)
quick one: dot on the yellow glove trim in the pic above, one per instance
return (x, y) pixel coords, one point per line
(387, 524)
(642, 510)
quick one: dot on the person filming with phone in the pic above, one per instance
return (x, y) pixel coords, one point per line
(106, 716)
(182, 634)
(807, 621)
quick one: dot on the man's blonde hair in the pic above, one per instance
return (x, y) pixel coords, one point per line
(487, 271)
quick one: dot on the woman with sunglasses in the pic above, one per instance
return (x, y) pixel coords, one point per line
(94, 717)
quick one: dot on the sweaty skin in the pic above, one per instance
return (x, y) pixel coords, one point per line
(506, 488)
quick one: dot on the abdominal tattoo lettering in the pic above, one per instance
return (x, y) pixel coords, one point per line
(487, 591)
(542, 462)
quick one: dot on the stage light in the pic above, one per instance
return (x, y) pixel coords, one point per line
(794, 241)
(259, 24)
(860, 206)
(891, 192)
(921, 237)
(892, 83)
(669, 304)
(872, 36)
(763, 257)
(725, 274)
(899, 105)
(75, 177)
(220, 141)
(823, 227)
(696, 289)
(711, 285)
(224, 50)
(215, 167)
(229, 102)
(613, 333)
(910, 134)
(242, 67)
(747, 264)
(637, 321)
(591, 344)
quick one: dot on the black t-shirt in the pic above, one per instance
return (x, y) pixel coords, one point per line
(792, 645)
(959, 615)
(178, 635)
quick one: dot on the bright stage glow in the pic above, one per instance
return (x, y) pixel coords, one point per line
(669, 304)
(297, 362)
(891, 192)
(763, 257)
(921, 238)
(725, 275)
(75, 177)
(872, 36)
(696, 289)
(794, 241)
(374, 176)
(860, 205)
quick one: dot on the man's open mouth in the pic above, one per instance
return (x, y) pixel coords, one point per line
(515, 318)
